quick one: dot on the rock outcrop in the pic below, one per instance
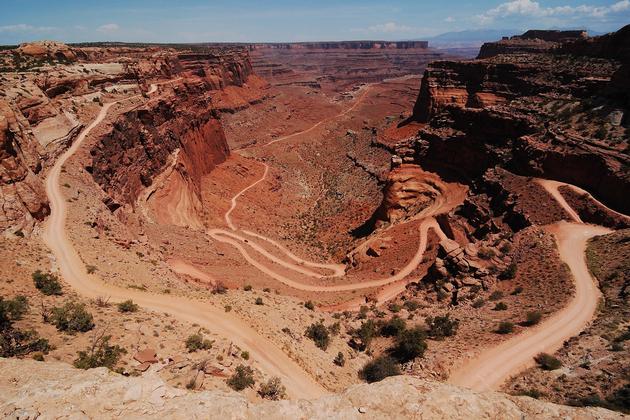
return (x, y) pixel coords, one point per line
(559, 114)
(30, 389)
(530, 41)
(22, 196)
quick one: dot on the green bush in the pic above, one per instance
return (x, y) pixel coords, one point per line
(478, 303)
(394, 307)
(393, 327)
(365, 333)
(442, 326)
(47, 283)
(501, 306)
(14, 308)
(411, 305)
(99, 354)
(309, 305)
(505, 327)
(379, 369)
(127, 306)
(496, 295)
(547, 361)
(410, 344)
(242, 378)
(245, 355)
(319, 334)
(71, 318)
(340, 359)
(196, 342)
(509, 273)
(533, 318)
(272, 390)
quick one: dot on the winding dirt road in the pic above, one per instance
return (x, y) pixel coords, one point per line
(494, 366)
(265, 354)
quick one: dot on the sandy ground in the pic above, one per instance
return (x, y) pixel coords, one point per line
(493, 367)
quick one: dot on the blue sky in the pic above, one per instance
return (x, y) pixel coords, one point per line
(284, 20)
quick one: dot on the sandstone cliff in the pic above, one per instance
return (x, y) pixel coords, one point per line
(530, 41)
(30, 389)
(558, 114)
(22, 196)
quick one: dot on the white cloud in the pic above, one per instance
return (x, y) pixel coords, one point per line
(390, 27)
(22, 27)
(530, 8)
(451, 19)
(108, 27)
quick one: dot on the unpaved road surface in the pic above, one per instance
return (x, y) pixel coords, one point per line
(494, 366)
(266, 355)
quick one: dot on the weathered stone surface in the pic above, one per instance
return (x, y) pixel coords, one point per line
(29, 389)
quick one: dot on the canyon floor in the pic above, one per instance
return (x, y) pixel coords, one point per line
(292, 218)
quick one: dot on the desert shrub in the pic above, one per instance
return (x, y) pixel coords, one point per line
(309, 305)
(394, 307)
(532, 392)
(227, 308)
(99, 354)
(259, 301)
(496, 295)
(340, 359)
(393, 327)
(38, 356)
(410, 344)
(363, 312)
(411, 305)
(14, 309)
(505, 248)
(442, 326)
(91, 269)
(319, 334)
(219, 289)
(242, 378)
(620, 399)
(247, 287)
(245, 355)
(616, 346)
(127, 306)
(533, 318)
(478, 303)
(547, 361)
(379, 369)
(505, 327)
(365, 333)
(273, 390)
(196, 342)
(486, 253)
(334, 328)
(517, 291)
(509, 273)
(500, 306)
(71, 318)
(47, 283)
(15, 342)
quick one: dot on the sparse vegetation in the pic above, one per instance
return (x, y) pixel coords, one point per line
(393, 327)
(500, 306)
(505, 327)
(442, 326)
(410, 344)
(340, 359)
(99, 354)
(309, 305)
(379, 369)
(242, 378)
(197, 342)
(509, 273)
(245, 355)
(533, 318)
(272, 390)
(247, 287)
(259, 301)
(362, 336)
(547, 361)
(13, 341)
(127, 306)
(486, 253)
(478, 303)
(47, 283)
(496, 295)
(319, 334)
(219, 289)
(71, 318)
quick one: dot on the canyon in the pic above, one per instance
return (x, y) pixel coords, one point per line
(295, 202)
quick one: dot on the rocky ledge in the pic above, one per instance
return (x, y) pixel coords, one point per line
(30, 389)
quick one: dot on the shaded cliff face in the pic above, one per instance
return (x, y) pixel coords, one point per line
(533, 41)
(561, 115)
(180, 129)
(22, 196)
